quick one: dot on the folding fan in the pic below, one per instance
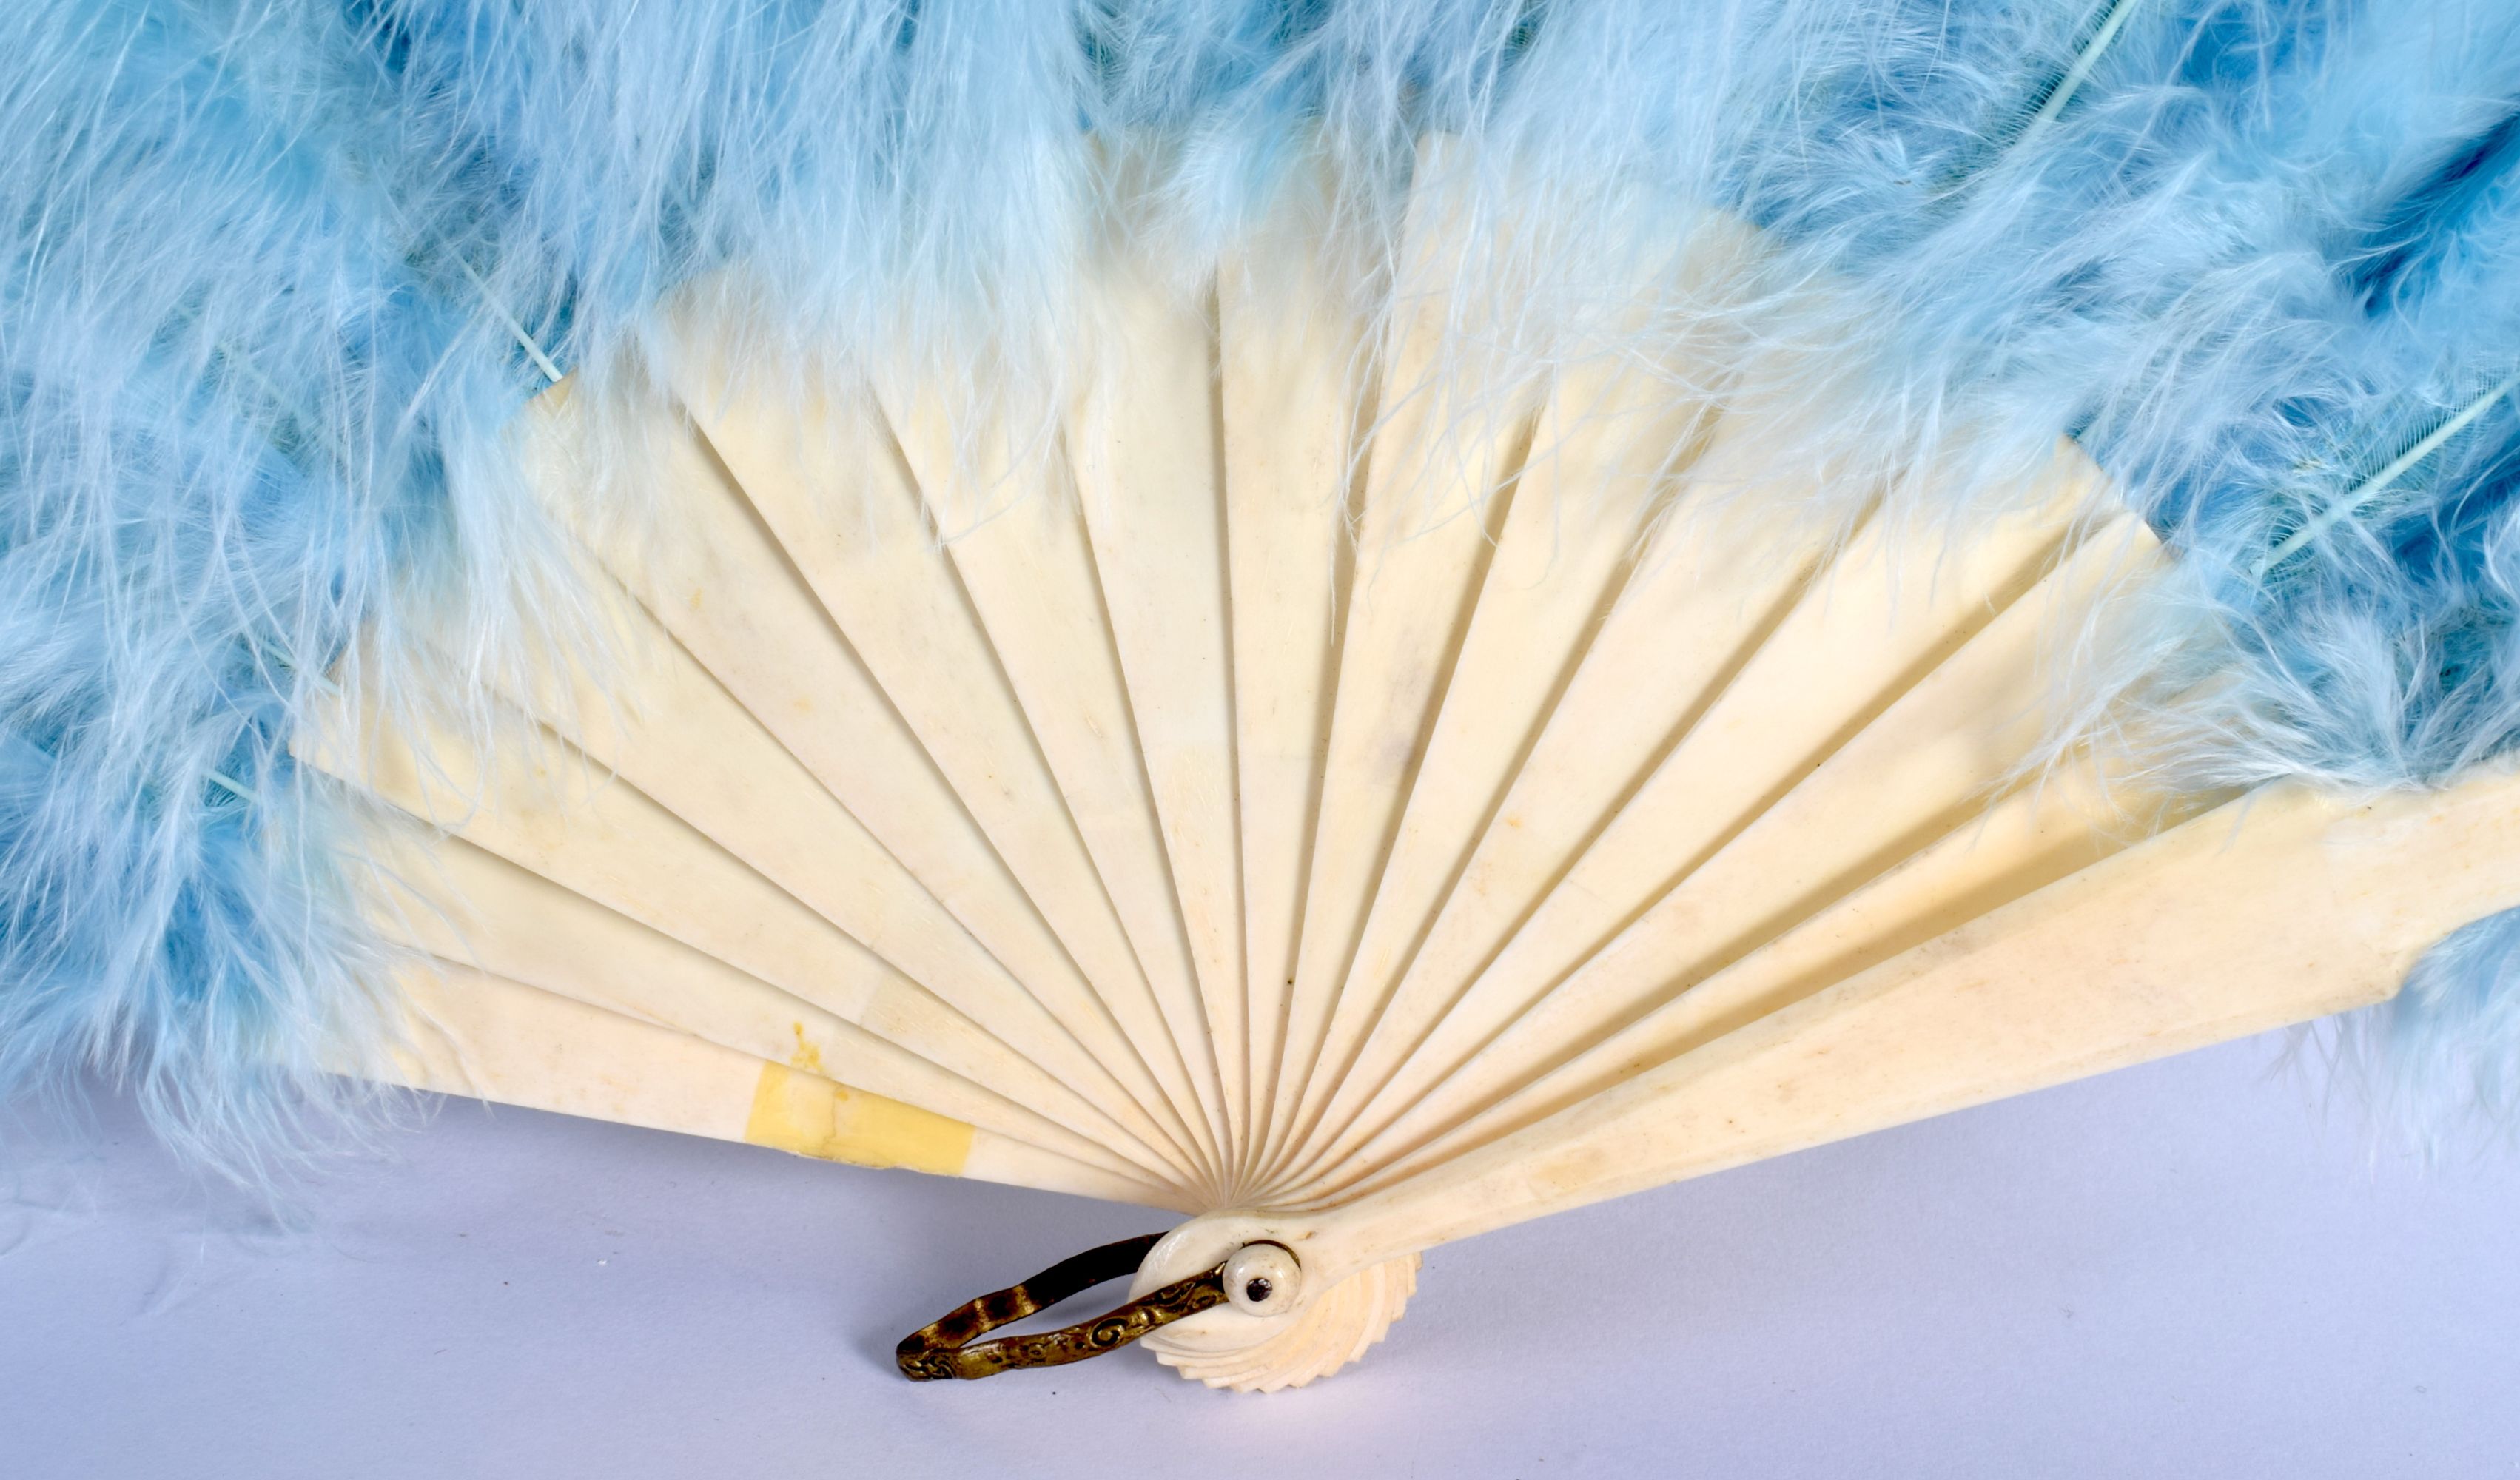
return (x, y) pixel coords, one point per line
(1296, 796)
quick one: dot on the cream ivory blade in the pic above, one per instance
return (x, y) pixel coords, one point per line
(468, 906)
(2273, 909)
(1786, 793)
(1611, 442)
(559, 816)
(1292, 401)
(1307, 783)
(712, 573)
(1026, 560)
(842, 506)
(1143, 438)
(1703, 595)
(2034, 835)
(479, 1035)
(1437, 482)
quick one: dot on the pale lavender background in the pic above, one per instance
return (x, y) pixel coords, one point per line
(2183, 1270)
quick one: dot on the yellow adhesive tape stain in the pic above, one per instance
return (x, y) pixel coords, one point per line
(816, 1117)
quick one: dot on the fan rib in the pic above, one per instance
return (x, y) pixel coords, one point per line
(1157, 900)
(1141, 443)
(1410, 632)
(605, 840)
(860, 712)
(1620, 437)
(1568, 547)
(465, 905)
(1291, 399)
(1771, 727)
(1027, 572)
(2036, 835)
(1922, 770)
(707, 761)
(1284, 434)
(1438, 476)
(1239, 961)
(2280, 906)
(1683, 628)
(476, 1035)
(716, 578)
(893, 593)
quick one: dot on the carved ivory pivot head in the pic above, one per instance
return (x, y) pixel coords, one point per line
(1308, 1323)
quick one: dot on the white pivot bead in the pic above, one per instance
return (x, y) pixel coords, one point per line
(1263, 1279)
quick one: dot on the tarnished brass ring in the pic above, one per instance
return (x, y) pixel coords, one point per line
(950, 1346)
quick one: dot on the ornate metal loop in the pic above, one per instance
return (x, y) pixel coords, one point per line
(950, 1347)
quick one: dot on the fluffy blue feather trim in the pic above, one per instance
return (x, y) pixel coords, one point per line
(275, 274)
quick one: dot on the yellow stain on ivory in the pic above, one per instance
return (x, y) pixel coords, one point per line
(815, 1117)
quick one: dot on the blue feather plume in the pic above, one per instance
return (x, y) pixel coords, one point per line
(275, 276)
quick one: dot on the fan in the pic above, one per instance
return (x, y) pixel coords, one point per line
(1356, 852)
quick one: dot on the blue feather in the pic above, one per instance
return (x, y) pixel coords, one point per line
(276, 274)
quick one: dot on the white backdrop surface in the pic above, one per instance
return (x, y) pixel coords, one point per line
(2183, 1270)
